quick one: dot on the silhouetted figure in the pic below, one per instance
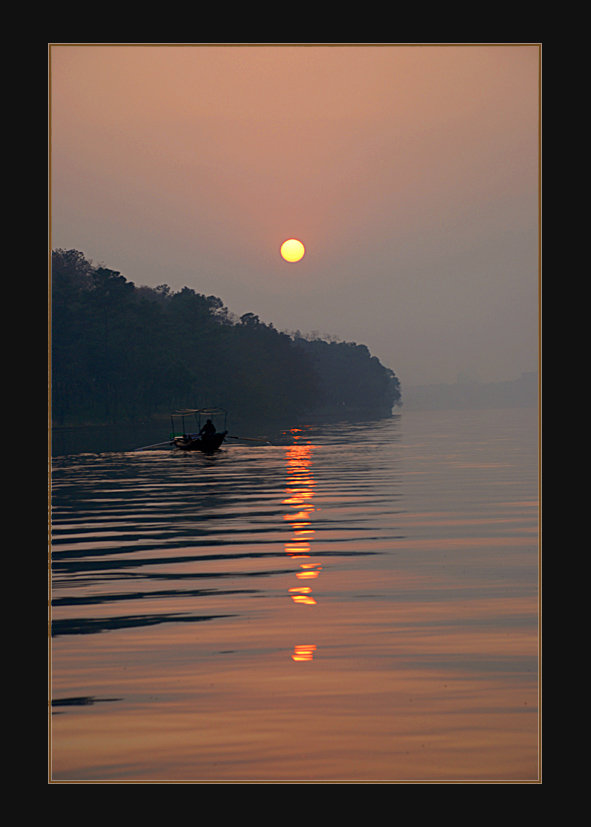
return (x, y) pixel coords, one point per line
(208, 429)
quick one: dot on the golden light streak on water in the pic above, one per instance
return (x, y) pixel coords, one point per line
(300, 488)
(303, 652)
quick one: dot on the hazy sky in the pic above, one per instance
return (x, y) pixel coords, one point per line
(410, 173)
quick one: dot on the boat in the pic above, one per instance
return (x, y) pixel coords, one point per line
(207, 438)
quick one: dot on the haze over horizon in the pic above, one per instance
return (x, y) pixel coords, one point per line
(410, 173)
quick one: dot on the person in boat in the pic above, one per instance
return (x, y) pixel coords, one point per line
(208, 429)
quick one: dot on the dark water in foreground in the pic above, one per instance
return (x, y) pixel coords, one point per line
(349, 603)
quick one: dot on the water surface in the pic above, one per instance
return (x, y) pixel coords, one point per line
(355, 602)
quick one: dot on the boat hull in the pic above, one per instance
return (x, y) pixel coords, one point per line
(207, 444)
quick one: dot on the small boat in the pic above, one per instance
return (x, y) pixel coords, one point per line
(207, 437)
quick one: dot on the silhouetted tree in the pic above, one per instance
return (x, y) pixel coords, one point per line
(350, 377)
(121, 351)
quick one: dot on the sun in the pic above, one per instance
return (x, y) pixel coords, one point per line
(292, 249)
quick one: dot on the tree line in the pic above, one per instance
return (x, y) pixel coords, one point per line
(121, 352)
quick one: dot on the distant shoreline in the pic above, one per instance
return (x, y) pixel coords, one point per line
(470, 395)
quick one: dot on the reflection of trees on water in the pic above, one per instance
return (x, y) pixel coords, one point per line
(140, 540)
(300, 493)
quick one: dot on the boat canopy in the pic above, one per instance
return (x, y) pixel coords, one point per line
(202, 411)
(199, 414)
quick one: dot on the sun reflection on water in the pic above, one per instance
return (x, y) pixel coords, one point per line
(305, 652)
(300, 492)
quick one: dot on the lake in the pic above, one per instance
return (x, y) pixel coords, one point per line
(350, 603)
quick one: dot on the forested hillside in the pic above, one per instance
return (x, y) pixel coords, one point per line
(120, 352)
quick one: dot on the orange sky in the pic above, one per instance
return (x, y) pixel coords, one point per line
(409, 172)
